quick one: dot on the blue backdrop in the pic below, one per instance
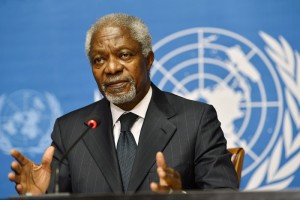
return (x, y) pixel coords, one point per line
(241, 56)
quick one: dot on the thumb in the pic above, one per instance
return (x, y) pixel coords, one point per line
(47, 158)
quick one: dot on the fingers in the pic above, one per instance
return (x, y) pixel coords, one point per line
(28, 176)
(19, 188)
(16, 167)
(164, 172)
(168, 174)
(14, 178)
(160, 160)
(168, 177)
(159, 188)
(19, 157)
(47, 158)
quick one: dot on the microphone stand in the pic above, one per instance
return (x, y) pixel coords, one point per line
(57, 170)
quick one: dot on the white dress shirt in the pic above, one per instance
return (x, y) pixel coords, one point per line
(140, 110)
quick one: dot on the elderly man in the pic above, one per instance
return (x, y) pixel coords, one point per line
(170, 143)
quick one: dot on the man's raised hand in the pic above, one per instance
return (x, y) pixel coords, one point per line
(28, 176)
(169, 179)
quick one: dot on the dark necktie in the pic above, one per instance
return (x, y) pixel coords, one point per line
(126, 147)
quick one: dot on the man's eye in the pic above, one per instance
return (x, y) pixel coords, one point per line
(98, 60)
(125, 56)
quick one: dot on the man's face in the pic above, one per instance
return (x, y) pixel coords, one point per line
(119, 67)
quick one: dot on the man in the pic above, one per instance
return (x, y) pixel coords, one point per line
(180, 145)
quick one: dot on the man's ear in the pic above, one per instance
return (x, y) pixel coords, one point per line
(149, 60)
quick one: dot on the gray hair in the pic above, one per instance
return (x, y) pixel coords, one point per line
(137, 27)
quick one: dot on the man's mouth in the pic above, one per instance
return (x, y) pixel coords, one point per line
(116, 86)
(116, 83)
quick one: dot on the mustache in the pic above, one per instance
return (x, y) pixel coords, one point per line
(116, 78)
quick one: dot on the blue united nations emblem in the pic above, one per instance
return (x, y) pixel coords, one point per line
(27, 118)
(226, 70)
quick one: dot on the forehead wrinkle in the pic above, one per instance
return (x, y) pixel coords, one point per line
(103, 42)
(102, 47)
(107, 39)
(108, 36)
(109, 32)
(113, 43)
(112, 39)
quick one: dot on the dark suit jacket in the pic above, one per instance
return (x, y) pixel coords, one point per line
(187, 132)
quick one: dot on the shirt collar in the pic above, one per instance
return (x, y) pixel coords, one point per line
(140, 109)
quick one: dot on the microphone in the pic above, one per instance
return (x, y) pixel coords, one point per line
(91, 124)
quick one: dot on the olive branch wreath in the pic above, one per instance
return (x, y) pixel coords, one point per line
(270, 175)
(45, 141)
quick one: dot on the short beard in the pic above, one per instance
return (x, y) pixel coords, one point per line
(116, 99)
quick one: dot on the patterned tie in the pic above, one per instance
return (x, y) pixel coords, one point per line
(126, 147)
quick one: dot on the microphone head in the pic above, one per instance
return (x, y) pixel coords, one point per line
(93, 123)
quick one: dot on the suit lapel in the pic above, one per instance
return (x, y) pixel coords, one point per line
(156, 132)
(100, 143)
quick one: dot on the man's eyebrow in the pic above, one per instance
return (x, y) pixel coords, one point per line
(96, 52)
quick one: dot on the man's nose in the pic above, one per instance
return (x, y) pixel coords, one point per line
(113, 66)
